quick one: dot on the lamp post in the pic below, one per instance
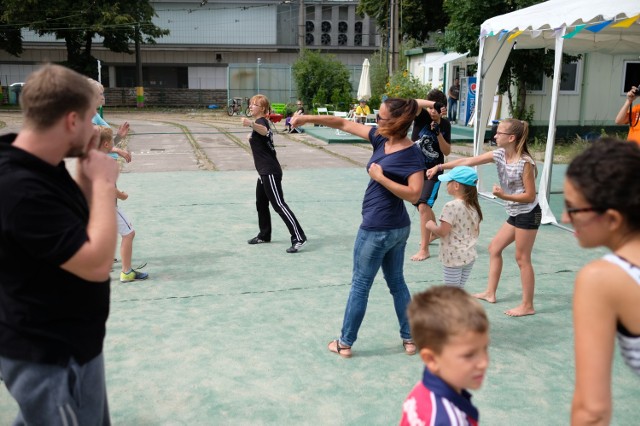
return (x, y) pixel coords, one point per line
(258, 74)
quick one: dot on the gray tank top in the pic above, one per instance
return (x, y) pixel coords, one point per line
(511, 181)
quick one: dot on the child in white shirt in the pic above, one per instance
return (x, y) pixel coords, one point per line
(459, 225)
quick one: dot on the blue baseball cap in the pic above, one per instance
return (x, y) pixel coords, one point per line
(462, 174)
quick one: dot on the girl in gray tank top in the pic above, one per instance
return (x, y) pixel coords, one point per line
(516, 173)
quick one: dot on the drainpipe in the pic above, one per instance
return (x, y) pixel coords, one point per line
(582, 91)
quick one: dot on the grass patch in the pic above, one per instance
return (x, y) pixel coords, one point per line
(566, 150)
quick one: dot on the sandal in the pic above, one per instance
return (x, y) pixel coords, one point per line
(409, 347)
(343, 351)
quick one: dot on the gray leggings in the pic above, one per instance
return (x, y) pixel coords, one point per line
(457, 276)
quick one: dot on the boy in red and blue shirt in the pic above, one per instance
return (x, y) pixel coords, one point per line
(451, 331)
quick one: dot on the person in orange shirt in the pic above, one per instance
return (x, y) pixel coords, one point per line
(630, 115)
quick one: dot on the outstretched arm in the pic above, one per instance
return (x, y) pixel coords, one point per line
(122, 153)
(255, 126)
(485, 158)
(348, 126)
(122, 133)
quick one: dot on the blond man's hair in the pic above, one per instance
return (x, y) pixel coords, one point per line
(52, 92)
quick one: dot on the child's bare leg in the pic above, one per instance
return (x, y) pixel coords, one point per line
(126, 251)
(504, 237)
(426, 214)
(524, 246)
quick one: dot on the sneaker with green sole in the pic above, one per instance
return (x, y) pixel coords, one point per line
(133, 275)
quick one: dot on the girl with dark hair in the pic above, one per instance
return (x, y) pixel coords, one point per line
(516, 173)
(602, 197)
(397, 170)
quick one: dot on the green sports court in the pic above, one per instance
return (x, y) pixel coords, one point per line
(228, 333)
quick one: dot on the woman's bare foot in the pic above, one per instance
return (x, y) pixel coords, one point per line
(520, 311)
(420, 256)
(487, 297)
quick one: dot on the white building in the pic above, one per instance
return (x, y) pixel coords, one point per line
(207, 36)
(592, 90)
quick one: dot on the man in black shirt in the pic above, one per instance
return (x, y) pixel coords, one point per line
(432, 134)
(55, 254)
(454, 95)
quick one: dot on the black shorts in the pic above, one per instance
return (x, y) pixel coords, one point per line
(529, 220)
(429, 192)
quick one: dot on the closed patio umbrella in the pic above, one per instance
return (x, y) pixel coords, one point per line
(364, 87)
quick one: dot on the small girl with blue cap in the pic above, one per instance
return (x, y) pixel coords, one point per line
(459, 225)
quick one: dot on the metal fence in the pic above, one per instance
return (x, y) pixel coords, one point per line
(275, 81)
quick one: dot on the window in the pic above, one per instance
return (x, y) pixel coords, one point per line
(570, 78)
(154, 76)
(536, 87)
(569, 81)
(631, 76)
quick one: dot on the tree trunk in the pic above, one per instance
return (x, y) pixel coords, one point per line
(88, 40)
(73, 47)
(522, 100)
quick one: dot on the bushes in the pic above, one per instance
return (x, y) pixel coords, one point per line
(403, 85)
(321, 79)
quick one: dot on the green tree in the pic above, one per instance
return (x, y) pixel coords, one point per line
(320, 78)
(10, 37)
(404, 85)
(77, 22)
(379, 75)
(522, 67)
(419, 18)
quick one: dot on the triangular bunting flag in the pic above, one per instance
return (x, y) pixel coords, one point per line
(576, 31)
(598, 27)
(626, 23)
(502, 34)
(514, 35)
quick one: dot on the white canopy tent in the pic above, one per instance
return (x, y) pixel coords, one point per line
(571, 26)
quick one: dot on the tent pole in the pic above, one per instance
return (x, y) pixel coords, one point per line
(545, 178)
(478, 141)
(492, 58)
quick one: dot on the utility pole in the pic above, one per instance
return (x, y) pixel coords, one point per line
(139, 88)
(393, 36)
(301, 27)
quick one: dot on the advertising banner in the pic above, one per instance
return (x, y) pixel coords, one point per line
(467, 98)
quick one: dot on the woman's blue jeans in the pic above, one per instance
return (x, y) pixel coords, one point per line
(372, 250)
